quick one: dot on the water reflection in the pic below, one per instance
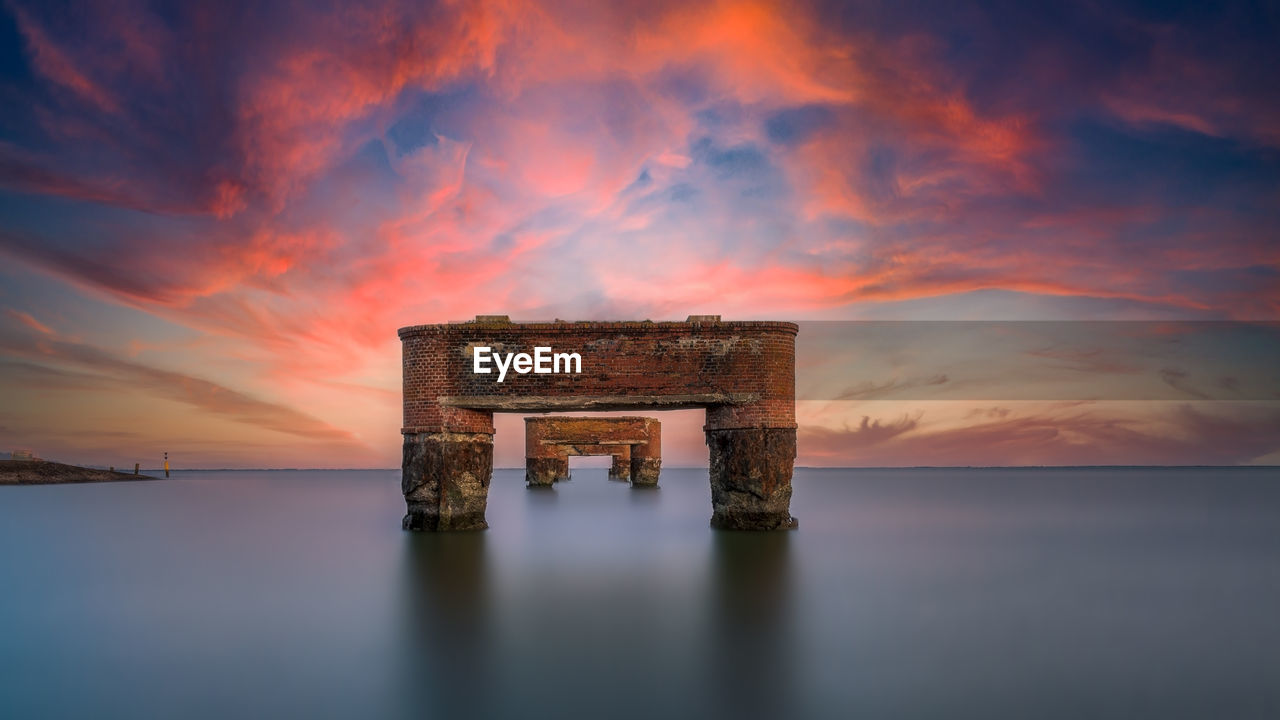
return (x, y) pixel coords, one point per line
(751, 653)
(599, 612)
(541, 496)
(913, 593)
(644, 495)
(446, 610)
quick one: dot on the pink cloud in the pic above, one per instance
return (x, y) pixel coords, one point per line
(59, 67)
(29, 321)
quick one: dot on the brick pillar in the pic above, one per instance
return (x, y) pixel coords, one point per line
(753, 451)
(445, 472)
(445, 480)
(544, 463)
(646, 459)
(621, 467)
(751, 478)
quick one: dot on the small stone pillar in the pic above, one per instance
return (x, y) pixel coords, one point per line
(544, 471)
(544, 464)
(620, 469)
(445, 479)
(751, 478)
(646, 459)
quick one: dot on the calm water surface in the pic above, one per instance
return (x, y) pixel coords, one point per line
(1080, 593)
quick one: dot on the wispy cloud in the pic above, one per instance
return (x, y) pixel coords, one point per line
(27, 320)
(67, 365)
(1063, 434)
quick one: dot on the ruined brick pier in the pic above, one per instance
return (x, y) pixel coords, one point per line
(742, 373)
(634, 442)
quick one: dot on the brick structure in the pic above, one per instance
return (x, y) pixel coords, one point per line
(554, 469)
(742, 373)
(634, 442)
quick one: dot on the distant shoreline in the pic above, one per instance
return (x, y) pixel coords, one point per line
(44, 472)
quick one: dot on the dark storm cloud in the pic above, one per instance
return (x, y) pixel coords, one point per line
(795, 125)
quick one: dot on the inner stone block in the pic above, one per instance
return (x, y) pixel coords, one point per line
(550, 441)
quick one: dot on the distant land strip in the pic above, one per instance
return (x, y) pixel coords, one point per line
(43, 472)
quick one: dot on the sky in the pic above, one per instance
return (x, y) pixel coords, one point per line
(213, 217)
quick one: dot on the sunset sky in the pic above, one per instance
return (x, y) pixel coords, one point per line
(213, 218)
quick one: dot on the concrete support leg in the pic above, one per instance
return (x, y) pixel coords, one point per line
(645, 471)
(646, 463)
(646, 459)
(621, 467)
(751, 478)
(445, 479)
(543, 471)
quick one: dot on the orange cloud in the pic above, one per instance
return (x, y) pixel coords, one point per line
(30, 322)
(290, 110)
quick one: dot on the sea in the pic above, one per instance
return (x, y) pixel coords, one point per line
(905, 593)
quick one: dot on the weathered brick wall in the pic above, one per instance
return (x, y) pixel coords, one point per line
(544, 434)
(742, 372)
